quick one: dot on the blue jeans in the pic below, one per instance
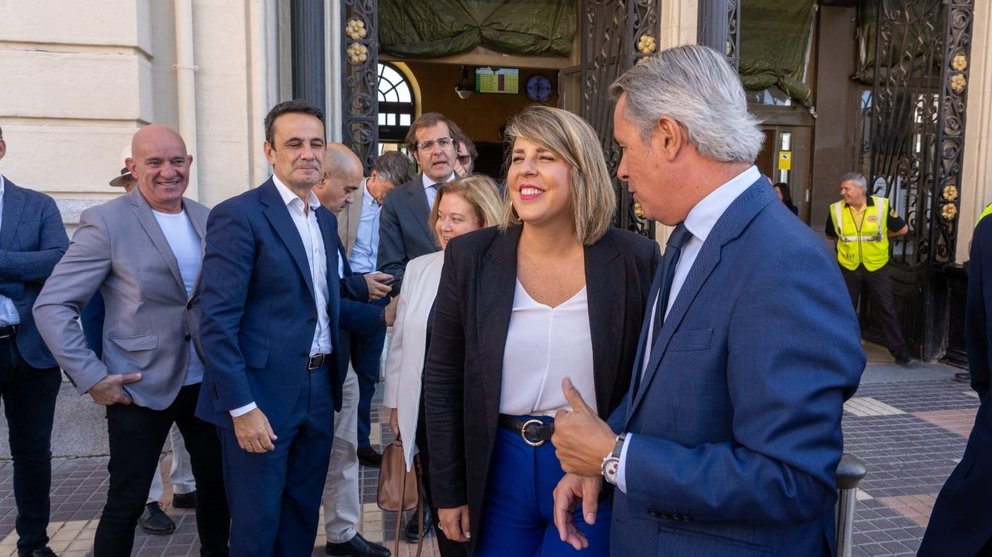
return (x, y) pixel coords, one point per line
(28, 396)
(518, 510)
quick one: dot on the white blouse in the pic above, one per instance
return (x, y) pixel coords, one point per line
(543, 346)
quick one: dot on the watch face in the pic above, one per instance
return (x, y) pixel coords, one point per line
(610, 468)
(538, 88)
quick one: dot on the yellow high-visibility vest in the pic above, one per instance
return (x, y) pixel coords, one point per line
(985, 213)
(868, 246)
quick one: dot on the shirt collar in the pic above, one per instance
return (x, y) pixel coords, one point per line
(869, 203)
(703, 217)
(428, 182)
(367, 198)
(288, 196)
(2, 186)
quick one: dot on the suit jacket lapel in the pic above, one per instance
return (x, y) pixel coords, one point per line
(278, 215)
(730, 225)
(606, 276)
(201, 232)
(497, 280)
(13, 208)
(330, 236)
(143, 212)
(643, 350)
(421, 210)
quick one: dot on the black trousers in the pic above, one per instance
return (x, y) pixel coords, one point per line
(136, 437)
(28, 396)
(445, 547)
(877, 285)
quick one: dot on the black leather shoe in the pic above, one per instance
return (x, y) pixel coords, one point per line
(368, 457)
(356, 547)
(184, 500)
(39, 552)
(412, 529)
(155, 521)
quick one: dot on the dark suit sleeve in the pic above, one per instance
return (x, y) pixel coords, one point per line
(359, 318)
(792, 357)
(392, 256)
(444, 386)
(354, 287)
(977, 325)
(36, 265)
(227, 268)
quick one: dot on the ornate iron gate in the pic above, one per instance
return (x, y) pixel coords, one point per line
(913, 145)
(615, 33)
(359, 63)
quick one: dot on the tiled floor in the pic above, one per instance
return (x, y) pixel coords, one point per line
(910, 433)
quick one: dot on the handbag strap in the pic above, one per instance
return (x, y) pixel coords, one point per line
(420, 511)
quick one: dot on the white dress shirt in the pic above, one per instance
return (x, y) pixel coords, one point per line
(699, 222)
(365, 248)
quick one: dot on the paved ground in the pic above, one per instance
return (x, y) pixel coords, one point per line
(908, 425)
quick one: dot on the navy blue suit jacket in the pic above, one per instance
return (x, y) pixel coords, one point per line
(32, 240)
(404, 231)
(736, 422)
(961, 521)
(258, 307)
(357, 315)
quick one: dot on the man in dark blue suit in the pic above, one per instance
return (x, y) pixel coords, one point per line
(32, 240)
(269, 333)
(961, 521)
(729, 439)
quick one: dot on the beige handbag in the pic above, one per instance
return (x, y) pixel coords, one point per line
(399, 489)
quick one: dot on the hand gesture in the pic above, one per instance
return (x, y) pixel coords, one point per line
(110, 389)
(581, 439)
(378, 284)
(254, 433)
(572, 489)
(454, 523)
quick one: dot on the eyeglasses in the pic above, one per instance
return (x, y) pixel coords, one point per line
(443, 143)
(464, 159)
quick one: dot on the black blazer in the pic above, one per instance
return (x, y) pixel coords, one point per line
(464, 366)
(404, 232)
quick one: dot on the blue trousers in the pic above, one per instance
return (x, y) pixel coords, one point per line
(366, 351)
(275, 496)
(518, 512)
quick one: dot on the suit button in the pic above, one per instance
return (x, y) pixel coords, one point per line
(188, 337)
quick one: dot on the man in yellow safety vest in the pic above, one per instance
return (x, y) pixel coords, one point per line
(862, 224)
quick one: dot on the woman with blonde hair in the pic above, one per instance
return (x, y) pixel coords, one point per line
(555, 292)
(461, 206)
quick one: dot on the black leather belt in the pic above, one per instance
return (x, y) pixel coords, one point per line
(316, 361)
(8, 332)
(533, 431)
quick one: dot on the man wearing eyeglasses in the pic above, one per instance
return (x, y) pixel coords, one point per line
(466, 154)
(403, 230)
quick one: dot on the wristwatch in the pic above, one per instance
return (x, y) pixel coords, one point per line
(611, 462)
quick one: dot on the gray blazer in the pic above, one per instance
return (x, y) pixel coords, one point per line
(120, 249)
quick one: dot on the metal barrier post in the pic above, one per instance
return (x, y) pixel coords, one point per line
(850, 472)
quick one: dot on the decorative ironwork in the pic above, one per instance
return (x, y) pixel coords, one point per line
(359, 72)
(733, 36)
(615, 34)
(917, 119)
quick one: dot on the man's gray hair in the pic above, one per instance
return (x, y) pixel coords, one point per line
(393, 167)
(695, 86)
(857, 178)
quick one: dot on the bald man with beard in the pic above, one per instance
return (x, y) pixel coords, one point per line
(143, 251)
(342, 504)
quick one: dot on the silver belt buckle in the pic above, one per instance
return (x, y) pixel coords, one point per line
(523, 433)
